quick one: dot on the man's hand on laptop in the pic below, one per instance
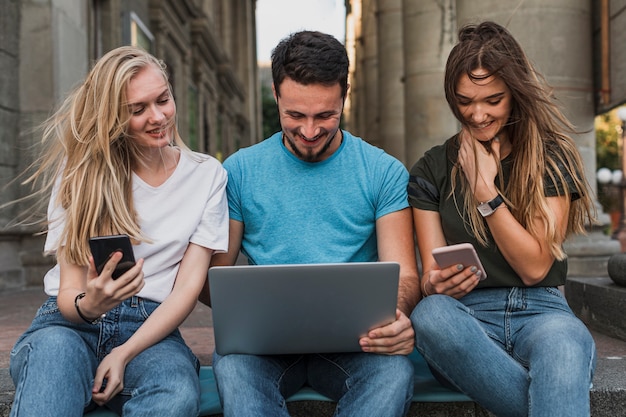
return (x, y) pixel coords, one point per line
(397, 338)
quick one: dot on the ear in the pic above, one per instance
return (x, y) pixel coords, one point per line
(274, 93)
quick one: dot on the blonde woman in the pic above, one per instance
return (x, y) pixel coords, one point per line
(511, 182)
(115, 164)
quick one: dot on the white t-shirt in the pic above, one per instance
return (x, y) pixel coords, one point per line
(191, 206)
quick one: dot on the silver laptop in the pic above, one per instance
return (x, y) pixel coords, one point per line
(288, 309)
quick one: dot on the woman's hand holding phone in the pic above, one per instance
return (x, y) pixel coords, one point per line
(109, 280)
(103, 247)
(459, 271)
(460, 254)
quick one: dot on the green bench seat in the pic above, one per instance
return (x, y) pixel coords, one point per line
(427, 389)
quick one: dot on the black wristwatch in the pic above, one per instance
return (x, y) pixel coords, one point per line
(487, 208)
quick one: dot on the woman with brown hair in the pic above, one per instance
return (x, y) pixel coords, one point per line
(511, 183)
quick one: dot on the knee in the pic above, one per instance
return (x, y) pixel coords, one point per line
(184, 401)
(236, 367)
(570, 338)
(568, 351)
(52, 346)
(396, 371)
(224, 366)
(431, 313)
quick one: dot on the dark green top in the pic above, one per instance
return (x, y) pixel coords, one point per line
(429, 188)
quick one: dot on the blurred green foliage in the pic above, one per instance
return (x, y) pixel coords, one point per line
(269, 110)
(608, 129)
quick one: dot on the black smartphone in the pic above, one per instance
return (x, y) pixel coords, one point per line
(102, 247)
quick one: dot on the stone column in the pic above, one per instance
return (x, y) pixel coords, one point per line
(351, 115)
(368, 98)
(557, 37)
(429, 33)
(53, 58)
(390, 78)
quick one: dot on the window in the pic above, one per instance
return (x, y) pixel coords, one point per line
(140, 35)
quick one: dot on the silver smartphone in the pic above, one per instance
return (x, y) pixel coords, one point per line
(462, 253)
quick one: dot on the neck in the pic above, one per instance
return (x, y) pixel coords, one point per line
(156, 165)
(505, 146)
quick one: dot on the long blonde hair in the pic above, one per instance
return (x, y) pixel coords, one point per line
(538, 132)
(88, 153)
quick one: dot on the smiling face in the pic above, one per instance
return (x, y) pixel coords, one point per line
(310, 116)
(485, 104)
(152, 109)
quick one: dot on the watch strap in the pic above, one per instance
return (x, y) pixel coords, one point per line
(496, 202)
(489, 207)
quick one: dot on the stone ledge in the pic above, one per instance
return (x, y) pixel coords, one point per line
(600, 304)
(608, 398)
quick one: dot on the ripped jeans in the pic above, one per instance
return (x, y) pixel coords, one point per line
(515, 351)
(54, 362)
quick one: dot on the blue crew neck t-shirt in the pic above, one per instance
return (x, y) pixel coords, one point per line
(313, 212)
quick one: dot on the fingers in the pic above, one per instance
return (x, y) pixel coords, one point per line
(91, 270)
(106, 387)
(107, 292)
(132, 280)
(454, 281)
(397, 338)
(111, 263)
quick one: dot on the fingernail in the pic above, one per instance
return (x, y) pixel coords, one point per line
(459, 267)
(479, 274)
(473, 269)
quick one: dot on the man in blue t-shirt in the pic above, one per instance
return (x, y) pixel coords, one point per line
(314, 193)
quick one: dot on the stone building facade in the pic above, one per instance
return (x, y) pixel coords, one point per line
(398, 51)
(47, 47)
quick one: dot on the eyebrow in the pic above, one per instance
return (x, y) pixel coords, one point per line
(142, 102)
(321, 114)
(491, 97)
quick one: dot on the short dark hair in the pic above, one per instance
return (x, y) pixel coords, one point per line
(310, 57)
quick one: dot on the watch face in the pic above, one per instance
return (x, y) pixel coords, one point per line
(485, 209)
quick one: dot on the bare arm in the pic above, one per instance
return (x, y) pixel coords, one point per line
(396, 243)
(394, 233)
(514, 241)
(229, 258)
(165, 319)
(518, 246)
(102, 292)
(449, 281)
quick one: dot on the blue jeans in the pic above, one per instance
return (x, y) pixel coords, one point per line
(54, 362)
(363, 384)
(515, 351)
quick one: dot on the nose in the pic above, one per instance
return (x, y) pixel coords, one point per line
(310, 129)
(477, 113)
(156, 115)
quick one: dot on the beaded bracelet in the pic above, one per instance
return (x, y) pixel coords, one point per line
(85, 319)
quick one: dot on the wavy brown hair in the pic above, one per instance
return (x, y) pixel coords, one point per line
(88, 156)
(537, 129)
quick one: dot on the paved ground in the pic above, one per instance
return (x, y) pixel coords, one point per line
(17, 309)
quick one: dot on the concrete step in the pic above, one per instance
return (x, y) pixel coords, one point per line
(596, 300)
(600, 303)
(608, 397)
